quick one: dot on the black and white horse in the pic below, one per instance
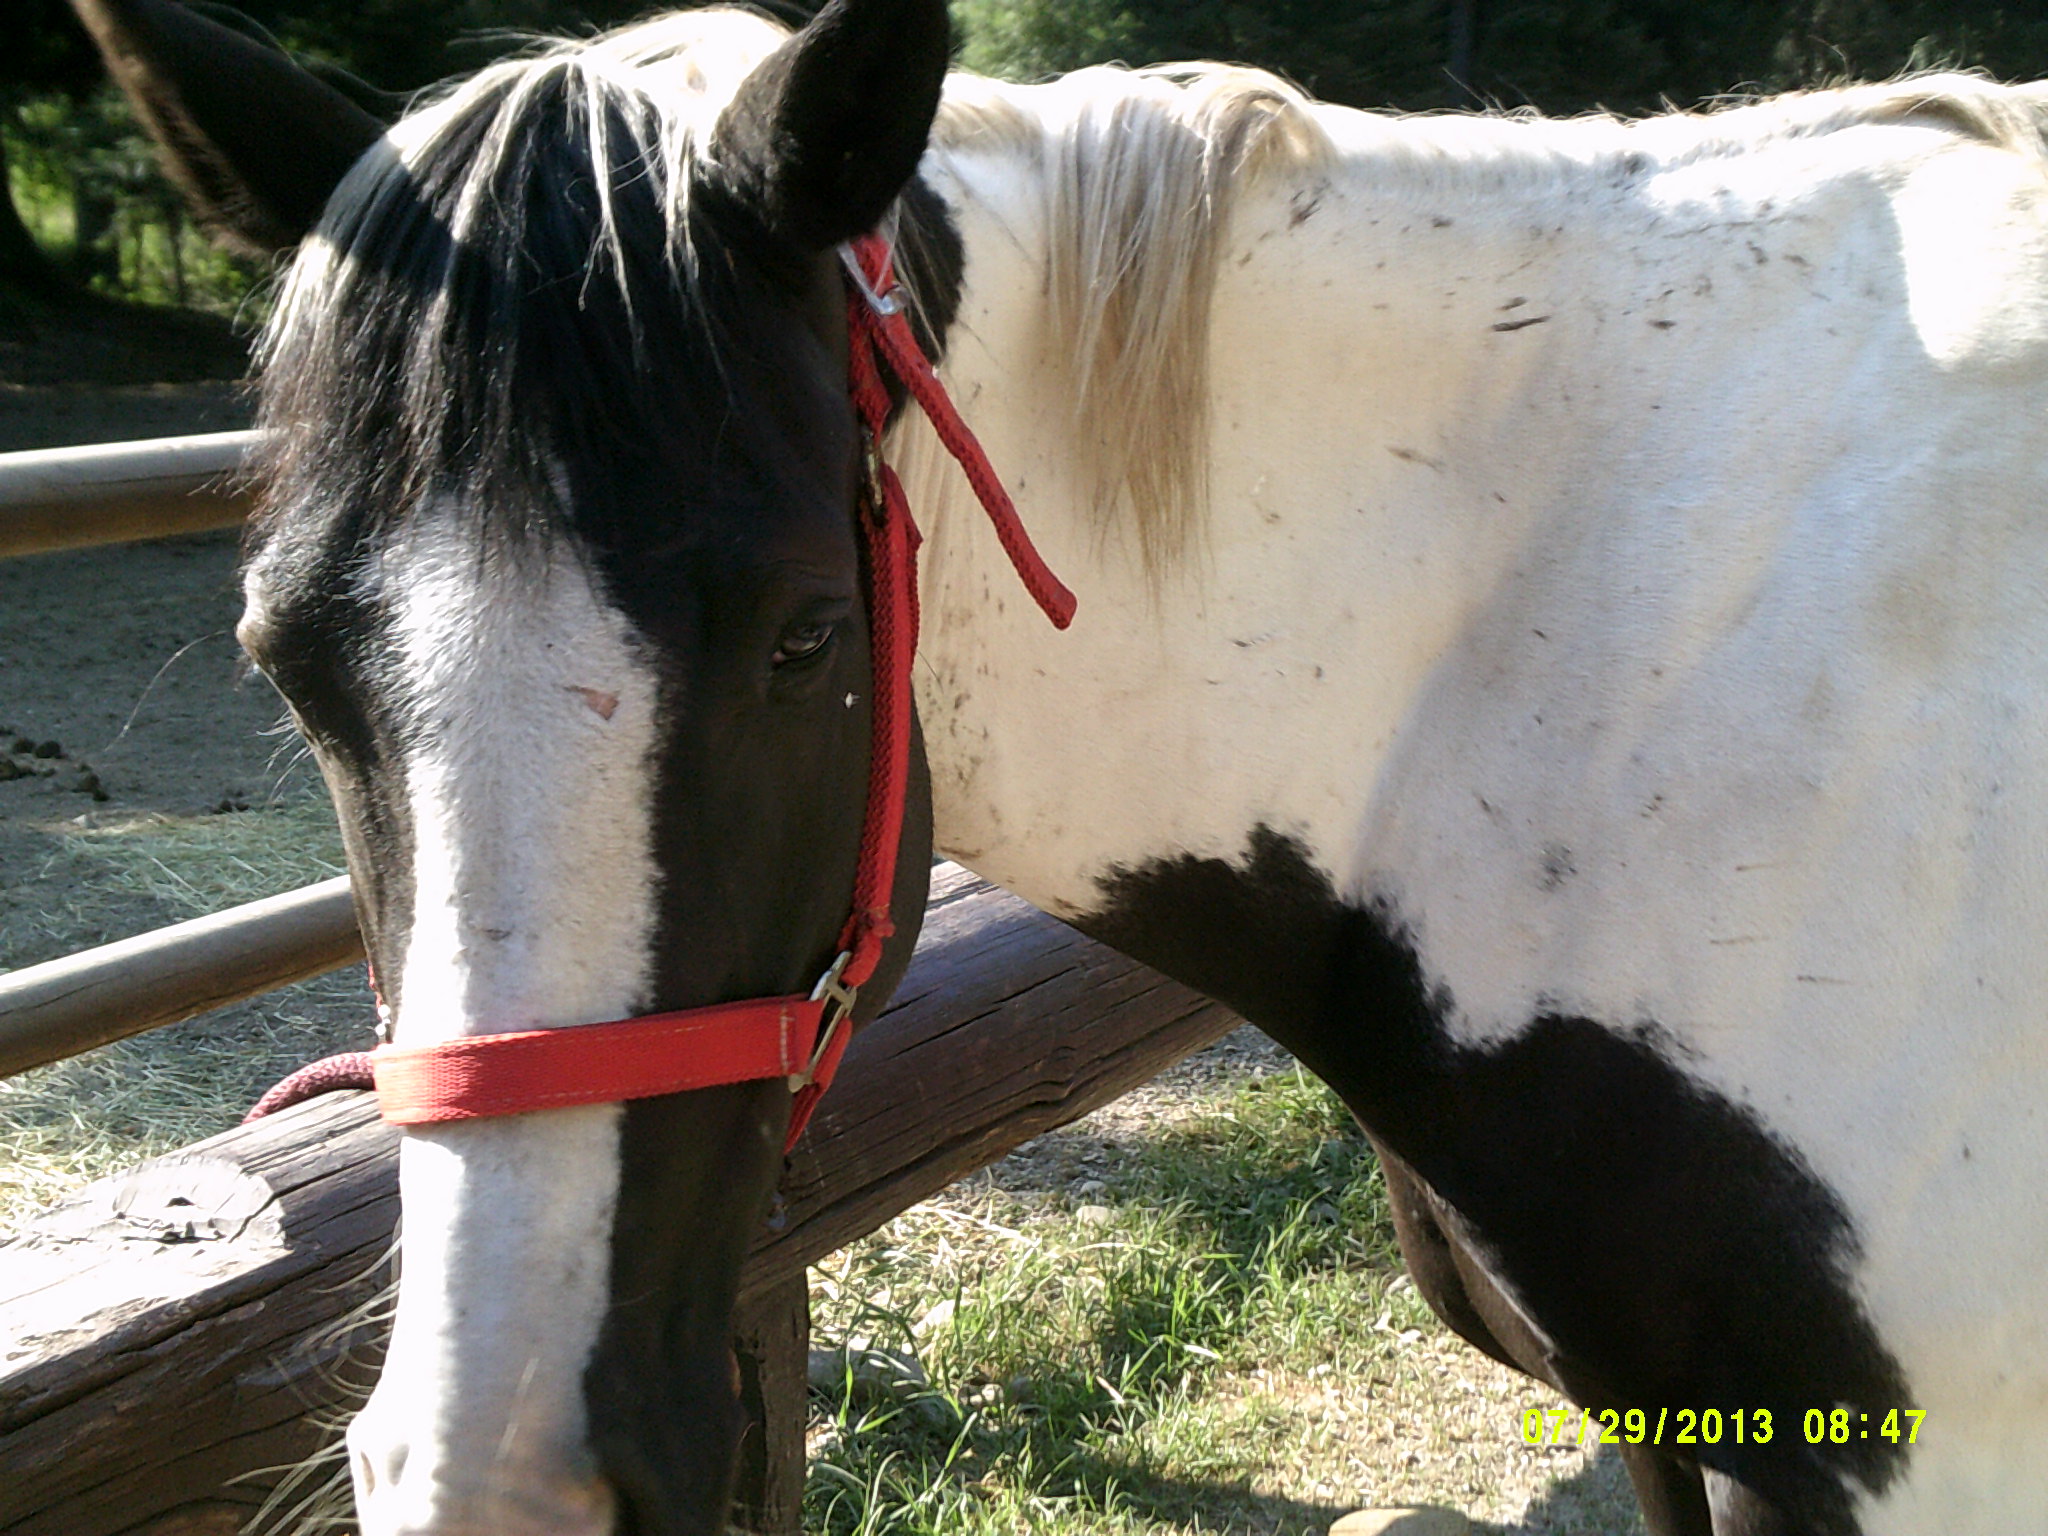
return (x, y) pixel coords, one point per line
(1563, 646)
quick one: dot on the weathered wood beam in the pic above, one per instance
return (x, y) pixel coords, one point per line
(171, 1333)
(62, 1007)
(111, 493)
(772, 1346)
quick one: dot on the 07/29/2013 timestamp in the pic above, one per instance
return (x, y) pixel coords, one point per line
(1711, 1426)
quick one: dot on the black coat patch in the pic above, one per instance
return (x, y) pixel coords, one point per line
(1678, 1255)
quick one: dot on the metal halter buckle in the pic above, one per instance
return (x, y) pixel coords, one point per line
(838, 999)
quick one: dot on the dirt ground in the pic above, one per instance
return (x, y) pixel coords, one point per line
(118, 665)
(122, 707)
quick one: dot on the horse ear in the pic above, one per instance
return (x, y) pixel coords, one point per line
(829, 130)
(256, 144)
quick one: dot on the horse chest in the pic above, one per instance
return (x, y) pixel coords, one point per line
(1664, 1246)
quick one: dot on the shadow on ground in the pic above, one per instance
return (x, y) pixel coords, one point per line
(1596, 1501)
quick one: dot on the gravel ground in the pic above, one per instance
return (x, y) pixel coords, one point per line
(64, 415)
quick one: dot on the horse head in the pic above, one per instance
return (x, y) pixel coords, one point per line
(558, 573)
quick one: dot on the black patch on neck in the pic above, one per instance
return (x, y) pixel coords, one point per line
(932, 264)
(1677, 1252)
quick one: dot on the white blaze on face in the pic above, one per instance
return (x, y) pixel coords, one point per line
(531, 724)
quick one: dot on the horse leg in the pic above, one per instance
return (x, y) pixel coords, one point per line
(1671, 1492)
(1426, 1250)
(1739, 1512)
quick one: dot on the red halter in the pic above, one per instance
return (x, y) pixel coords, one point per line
(800, 1038)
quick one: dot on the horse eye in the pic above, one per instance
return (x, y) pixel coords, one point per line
(801, 642)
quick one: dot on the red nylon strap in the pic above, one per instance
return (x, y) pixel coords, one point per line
(879, 329)
(328, 1075)
(478, 1076)
(880, 321)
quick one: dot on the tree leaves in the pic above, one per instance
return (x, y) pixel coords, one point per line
(1561, 56)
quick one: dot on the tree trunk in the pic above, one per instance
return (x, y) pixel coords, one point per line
(96, 246)
(1464, 31)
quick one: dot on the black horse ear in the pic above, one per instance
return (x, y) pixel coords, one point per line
(828, 131)
(256, 144)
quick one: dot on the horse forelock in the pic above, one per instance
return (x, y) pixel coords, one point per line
(553, 196)
(510, 279)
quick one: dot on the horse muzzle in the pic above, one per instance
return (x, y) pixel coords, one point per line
(405, 1489)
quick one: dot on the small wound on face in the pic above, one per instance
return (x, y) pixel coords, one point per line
(604, 703)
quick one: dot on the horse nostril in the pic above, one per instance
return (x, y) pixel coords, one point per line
(378, 1469)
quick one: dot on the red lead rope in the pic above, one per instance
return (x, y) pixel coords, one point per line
(801, 1038)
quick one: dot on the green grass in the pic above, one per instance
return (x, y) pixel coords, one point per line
(1130, 1367)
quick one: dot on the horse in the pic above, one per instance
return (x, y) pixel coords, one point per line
(1561, 642)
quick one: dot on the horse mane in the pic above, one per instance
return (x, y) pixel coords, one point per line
(1139, 170)
(2008, 117)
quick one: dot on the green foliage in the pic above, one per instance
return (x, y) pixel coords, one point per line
(1559, 55)
(86, 184)
(1825, 40)
(84, 180)
(1031, 42)
(1370, 53)
(401, 45)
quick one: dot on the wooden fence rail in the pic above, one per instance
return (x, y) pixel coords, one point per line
(110, 493)
(170, 1334)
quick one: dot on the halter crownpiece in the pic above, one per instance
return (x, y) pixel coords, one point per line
(801, 1038)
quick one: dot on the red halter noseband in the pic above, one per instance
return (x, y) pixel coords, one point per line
(800, 1038)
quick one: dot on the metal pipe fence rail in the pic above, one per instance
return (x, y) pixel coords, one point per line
(90, 999)
(111, 493)
(74, 498)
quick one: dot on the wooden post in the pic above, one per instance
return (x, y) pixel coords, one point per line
(772, 1342)
(173, 1336)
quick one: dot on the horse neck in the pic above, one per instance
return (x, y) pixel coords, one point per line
(1534, 417)
(1377, 458)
